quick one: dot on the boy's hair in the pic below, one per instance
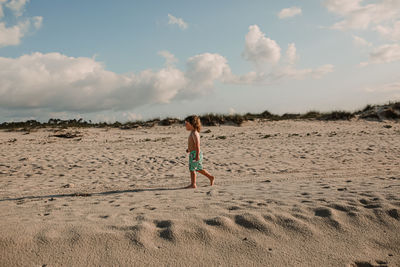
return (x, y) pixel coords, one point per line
(194, 121)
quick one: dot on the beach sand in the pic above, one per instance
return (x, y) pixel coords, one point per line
(287, 193)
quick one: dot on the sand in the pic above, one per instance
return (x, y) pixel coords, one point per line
(287, 193)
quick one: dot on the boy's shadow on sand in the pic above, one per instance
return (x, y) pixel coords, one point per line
(81, 194)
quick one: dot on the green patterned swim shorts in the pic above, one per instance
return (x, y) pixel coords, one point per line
(195, 165)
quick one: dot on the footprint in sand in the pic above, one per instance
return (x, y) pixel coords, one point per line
(379, 263)
(323, 212)
(369, 204)
(166, 231)
(394, 213)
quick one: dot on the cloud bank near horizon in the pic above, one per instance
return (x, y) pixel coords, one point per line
(60, 83)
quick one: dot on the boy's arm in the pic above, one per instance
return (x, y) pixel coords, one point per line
(197, 145)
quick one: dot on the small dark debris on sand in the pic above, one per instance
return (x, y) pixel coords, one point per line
(68, 135)
(68, 185)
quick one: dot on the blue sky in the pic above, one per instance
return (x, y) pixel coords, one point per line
(127, 60)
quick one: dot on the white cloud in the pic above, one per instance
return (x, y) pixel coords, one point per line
(360, 42)
(260, 49)
(204, 69)
(1, 8)
(391, 33)
(358, 16)
(291, 55)
(289, 72)
(380, 16)
(170, 59)
(389, 87)
(342, 7)
(37, 22)
(289, 12)
(12, 35)
(178, 21)
(58, 83)
(17, 6)
(282, 73)
(63, 83)
(385, 54)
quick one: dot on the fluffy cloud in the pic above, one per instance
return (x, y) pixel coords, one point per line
(58, 83)
(12, 35)
(178, 21)
(391, 33)
(260, 49)
(380, 16)
(17, 6)
(170, 59)
(37, 22)
(203, 70)
(358, 16)
(384, 54)
(342, 7)
(63, 83)
(360, 42)
(291, 54)
(289, 12)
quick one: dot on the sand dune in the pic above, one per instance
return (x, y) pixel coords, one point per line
(287, 193)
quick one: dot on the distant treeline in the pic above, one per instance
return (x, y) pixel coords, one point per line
(389, 111)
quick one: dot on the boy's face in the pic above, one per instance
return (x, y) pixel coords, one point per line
(188, 126)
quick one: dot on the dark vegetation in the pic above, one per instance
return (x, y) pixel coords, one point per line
(390, 111)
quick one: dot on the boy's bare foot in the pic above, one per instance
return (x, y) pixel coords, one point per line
(212, 178)
(191, 186)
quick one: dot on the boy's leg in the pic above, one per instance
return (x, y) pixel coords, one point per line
(193, 179)
(209, 176)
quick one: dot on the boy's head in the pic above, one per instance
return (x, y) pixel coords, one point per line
(193, 123)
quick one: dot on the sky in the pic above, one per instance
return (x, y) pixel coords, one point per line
(135, 60)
